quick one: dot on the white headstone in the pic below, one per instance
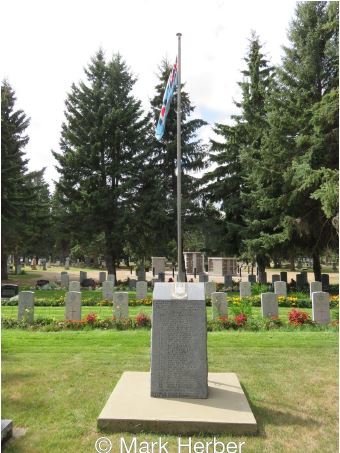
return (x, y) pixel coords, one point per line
(314, 287)
(245, 289)
(64, 279)
(107, 290)
(320, 307)
(73, 306)
(210, 287)
(102, 277)
(26, 306)
(141, 290)
(219, 305)
(121, 304)
(74, 286)
(269, 305)
(280, 288)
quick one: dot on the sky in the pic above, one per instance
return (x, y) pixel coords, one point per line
(45, 46)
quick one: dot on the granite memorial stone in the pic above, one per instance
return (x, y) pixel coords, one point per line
(325, 282)
(73, 306)
(179, 366)
(314, 287)
(121, 305)
(269, 305)
(219, 305)
(141, 290)
(283, 276)
(280, 288)
(26, 306)
(107, 290)
(245, 289)
(320, 307)
(210, 287)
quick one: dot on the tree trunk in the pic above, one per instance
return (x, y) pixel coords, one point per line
(316, 266)
(261, 262)
(4, 257)
(110, 256)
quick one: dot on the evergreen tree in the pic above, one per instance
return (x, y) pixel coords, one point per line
(102, 145)
(14, 193)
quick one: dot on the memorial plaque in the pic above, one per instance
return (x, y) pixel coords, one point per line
(269, 305)
(280, 288)
(179, 366)
(320, 307)
(245, 289)
(219, 305)
(73, 306)
(314, 287)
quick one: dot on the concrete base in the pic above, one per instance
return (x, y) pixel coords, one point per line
(6, 429)
(130, 408)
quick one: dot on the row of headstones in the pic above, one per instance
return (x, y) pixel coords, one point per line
(65, 278)
(280, 288)
(120, 302)
(270, 306)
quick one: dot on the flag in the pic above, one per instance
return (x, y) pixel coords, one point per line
(169, 91)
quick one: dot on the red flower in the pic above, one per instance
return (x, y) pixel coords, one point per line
(91, 318)
(241, 319)
(298, 317)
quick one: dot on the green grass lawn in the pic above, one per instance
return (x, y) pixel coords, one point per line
(58, 313)
(56, 384)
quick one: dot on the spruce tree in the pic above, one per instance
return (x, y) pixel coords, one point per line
(14, 193)
(102, 142)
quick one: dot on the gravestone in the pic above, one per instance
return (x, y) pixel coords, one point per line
(111, 278)
(300, 283)
(228, 281)
(179, 366)
(320, 307)
(203, 277)
(82, 276)
(283, 276)
(34, 264)
(325, 282)
(121, 305)
(304, 277)
(141, 275)
(102, 277)
(280, 288)
(107, 290)
(314, 287)
(210, 287)
(269, 305)
(74, 286)
(219, 305)
(245, 289)
(64, 279)
(275, 278)
(251, 278)
(18, 269)
(141, 290)
(9, 290)
(67, 263)
(262, 278)
(161, 276)
(73, 306)
(132, 283)
(26, 306)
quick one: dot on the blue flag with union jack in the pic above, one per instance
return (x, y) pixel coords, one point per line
(169, 91)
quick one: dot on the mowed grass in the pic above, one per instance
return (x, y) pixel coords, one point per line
(56, 384)
(58, 313)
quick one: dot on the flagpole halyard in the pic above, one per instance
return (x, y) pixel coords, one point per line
(179, 166)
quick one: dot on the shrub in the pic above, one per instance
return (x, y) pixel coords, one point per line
(143, 320)
(241, 319)
(298, 317)
(91, 318)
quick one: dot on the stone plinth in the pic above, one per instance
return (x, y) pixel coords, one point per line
(179, 365)
(130, 408)
(219, 305)
(320, 307)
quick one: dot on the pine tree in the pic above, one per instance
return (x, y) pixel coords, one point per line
(102, 143)
(14, 194)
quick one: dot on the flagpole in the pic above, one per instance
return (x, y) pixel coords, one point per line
(179, 166)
